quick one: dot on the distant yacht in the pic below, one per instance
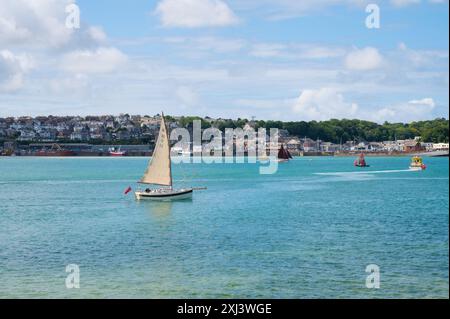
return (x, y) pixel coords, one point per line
(361, 161)
(283, 154)
(159, 172)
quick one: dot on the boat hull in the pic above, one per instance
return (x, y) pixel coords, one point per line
(166, 195)
(117, 153)
(55, 153)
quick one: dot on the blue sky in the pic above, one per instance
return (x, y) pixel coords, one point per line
(284, 59)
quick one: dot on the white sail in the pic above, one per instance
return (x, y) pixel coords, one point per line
(159, 170)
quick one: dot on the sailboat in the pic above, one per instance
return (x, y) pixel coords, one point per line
(361, 161)
(283, 154)
(159, 172)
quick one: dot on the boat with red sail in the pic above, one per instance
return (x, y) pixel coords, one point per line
(283, 154)
(361, 161)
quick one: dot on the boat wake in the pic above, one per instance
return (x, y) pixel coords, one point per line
(366, 172)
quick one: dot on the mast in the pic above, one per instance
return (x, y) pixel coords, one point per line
(159, 169)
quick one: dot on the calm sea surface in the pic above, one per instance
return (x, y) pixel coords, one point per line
(309, 230)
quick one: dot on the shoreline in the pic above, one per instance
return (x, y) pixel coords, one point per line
(295, 156)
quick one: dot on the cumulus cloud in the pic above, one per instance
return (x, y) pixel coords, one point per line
(12, 70)
(101, 60)
(363, 59)
(195, 13)
(414, 110)
(38, 27)
(34, 22)
(323, 104)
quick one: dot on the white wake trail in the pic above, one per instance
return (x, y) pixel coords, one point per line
(367, 172)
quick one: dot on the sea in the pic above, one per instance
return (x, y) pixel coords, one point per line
(317, 228)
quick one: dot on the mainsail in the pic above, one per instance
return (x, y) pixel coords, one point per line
(159, 170)
(283, 153)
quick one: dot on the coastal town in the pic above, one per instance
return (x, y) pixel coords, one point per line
(135, 135)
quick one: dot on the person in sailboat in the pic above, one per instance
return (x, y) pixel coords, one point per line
(159, 172)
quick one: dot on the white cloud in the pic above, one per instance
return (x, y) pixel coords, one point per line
(38, 22)
(363, 59)
(12, 70)
(320, 52)
(268, 50)
(295, 51)
(101, 60)
(97, 34)
(421, 58)
(202, 44)
(414, 110)
(38, 27)
(195, 13)
(187, 96)
(323, 104)
(404, 3)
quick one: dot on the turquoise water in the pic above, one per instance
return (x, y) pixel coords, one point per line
(308, 231)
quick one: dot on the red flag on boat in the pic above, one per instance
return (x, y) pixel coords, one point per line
(127, 190)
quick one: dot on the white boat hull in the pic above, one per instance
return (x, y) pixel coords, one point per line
(165, 194)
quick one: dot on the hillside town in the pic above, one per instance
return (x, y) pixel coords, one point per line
(135, 135)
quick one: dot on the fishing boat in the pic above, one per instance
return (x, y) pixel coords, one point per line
(283, 154)
(54, 150)
(116, 152)
(417, 163)
(159, 172)
(361, 161)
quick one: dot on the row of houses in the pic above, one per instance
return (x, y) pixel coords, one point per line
(125, 127)
(406, 146)
(79, 129)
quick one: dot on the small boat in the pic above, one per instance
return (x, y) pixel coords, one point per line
(54, 151)
(263, 158)
(361, 161)
(283, 155)
(159, 172)
(417, 163)
(116, 152)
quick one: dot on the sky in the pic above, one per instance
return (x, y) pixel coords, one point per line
(287, 60)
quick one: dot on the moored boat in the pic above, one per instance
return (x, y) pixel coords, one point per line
(116, 152)
(54, 151)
